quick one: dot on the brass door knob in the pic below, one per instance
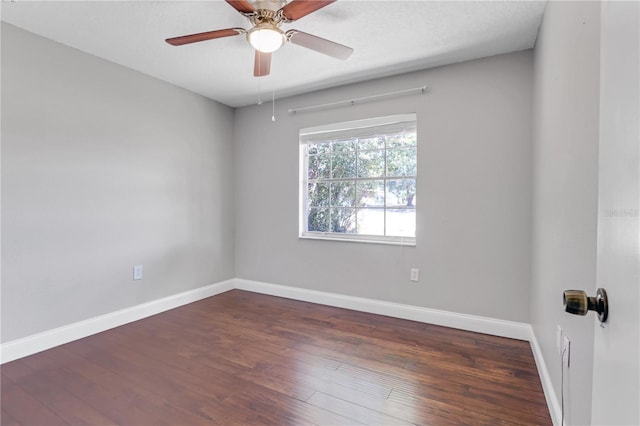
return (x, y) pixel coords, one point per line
(577, 302)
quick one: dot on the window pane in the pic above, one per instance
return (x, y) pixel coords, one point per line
(371, 163)
(318, 194)
(371, 143)
(401, 223)
(343, 220)
(343, 194)
(370, 193)
(343, 146)
(319, 166)
(371, 221)
(318, 148)
(401, 162)
(343, 164)
(401, 192)
(401, 139)
(318, 220)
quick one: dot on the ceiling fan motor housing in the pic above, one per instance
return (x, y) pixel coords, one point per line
(272, 5)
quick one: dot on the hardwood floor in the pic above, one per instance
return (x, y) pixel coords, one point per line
(246, 358)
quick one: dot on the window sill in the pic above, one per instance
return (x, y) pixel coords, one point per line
(396, 241)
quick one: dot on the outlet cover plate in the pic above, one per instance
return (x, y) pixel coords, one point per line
(415, 274)
(137, 272)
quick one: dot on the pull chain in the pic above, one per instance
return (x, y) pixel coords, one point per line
(259, 91)
(273, 105)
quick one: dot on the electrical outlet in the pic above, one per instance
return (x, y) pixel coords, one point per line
(559, 340)
(415, 274)
(137, 272)
(566, 351)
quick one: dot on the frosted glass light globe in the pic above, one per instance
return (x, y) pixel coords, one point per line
(266, 37)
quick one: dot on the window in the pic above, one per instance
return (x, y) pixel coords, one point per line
(358, 180)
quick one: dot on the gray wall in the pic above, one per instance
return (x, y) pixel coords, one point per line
(565, 183)
(104, 168)
(474, 193)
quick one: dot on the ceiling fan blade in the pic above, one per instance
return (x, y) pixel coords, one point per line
(262, 64)
(319, 44)
(300, 8)
(209, 35)
(242, 6)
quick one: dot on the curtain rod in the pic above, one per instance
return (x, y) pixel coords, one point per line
(422, 89)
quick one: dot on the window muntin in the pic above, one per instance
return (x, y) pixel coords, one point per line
(359, 180)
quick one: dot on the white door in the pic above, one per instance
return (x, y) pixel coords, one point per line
(616, 356)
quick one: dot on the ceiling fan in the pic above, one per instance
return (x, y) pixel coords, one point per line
(266, 17)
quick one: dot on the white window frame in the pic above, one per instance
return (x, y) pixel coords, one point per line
(303, 182)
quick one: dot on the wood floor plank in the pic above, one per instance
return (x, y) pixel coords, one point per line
(138, 370)
(56, 398)
(117, 395)
(257, 406)
(353, 411)
(7, 419)
(322, 380)
(242, 358)
(426, 414)
(24, 408)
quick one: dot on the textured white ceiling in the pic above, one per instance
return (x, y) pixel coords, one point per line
(389, 37)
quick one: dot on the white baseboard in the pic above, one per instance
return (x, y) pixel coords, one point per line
(39, 342)
(553, 403)
(496, 327)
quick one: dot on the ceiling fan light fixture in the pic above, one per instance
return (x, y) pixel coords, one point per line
(266, 37)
